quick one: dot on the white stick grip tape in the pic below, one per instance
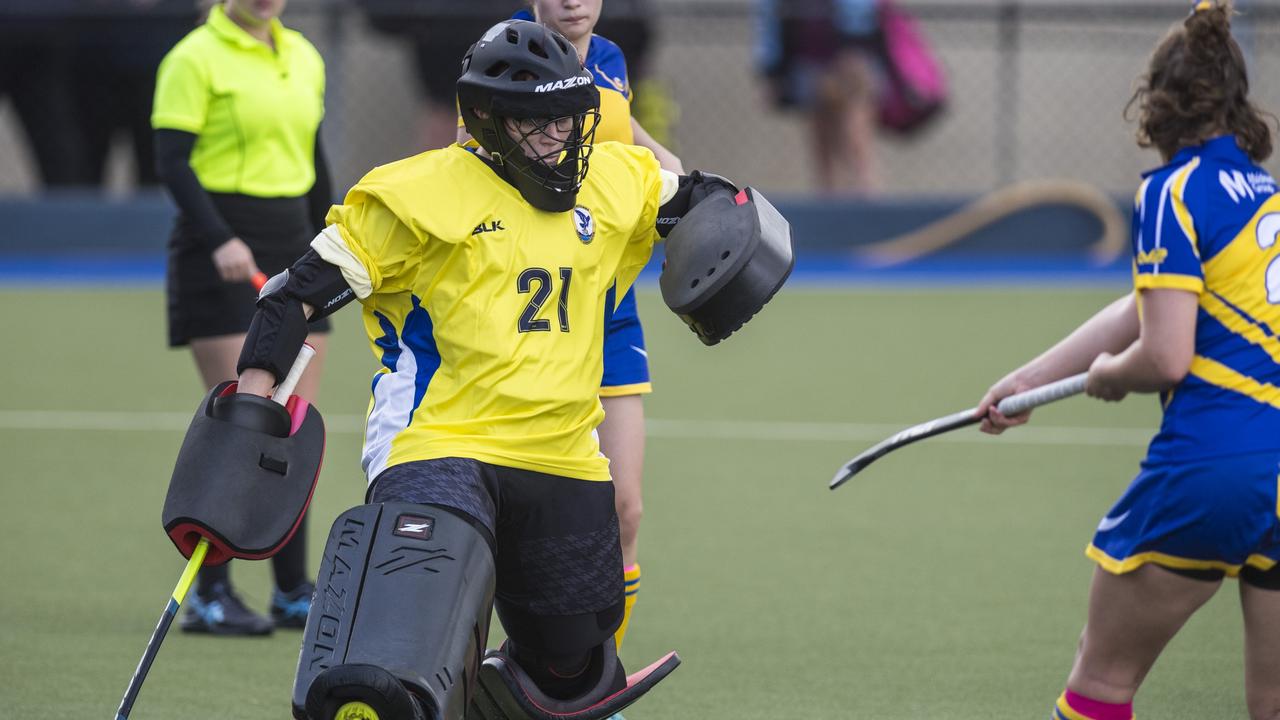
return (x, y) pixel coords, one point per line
(285, 388)
(1022, 402)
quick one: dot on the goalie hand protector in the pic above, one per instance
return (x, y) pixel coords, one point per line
(726, 257)
(280, 326)
(244, 476)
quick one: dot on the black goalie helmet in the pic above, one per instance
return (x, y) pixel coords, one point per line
(532, 86)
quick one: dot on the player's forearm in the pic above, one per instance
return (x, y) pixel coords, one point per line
(1110, 330)
(1161, 356)
(256, 381)
(666, 159)
(1142, 369)
(173, 164)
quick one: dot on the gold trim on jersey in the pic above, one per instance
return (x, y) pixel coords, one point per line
(1180, 210)
(1223, 313)
(625, 390)
(1172, 281)
(1215, 373)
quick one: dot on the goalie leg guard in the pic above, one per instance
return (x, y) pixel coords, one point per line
(726, 257)
(400, 616)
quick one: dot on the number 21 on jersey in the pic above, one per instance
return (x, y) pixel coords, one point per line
(536, 282)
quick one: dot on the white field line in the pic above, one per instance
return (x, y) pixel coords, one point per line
(752, 430)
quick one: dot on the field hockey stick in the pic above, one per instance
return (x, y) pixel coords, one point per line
(281, 395)
(1012, 405)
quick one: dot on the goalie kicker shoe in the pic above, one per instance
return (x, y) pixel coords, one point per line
(222, 613)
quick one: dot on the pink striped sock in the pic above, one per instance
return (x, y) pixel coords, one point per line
(1098, 710)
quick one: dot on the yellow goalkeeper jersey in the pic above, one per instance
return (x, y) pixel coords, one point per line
(487, 314)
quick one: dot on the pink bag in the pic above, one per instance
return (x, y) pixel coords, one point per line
(915, 88)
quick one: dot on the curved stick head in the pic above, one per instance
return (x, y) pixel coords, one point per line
(851, 468)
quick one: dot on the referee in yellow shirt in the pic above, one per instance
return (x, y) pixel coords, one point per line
(236, 117)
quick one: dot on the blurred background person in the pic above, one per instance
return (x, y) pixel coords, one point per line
(819, 56)
(113, 79)
(630, 25)
(439, 34)
(237, 117)
(36, 74)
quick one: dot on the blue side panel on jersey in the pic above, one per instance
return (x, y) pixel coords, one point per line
(420, 338)
(610, 299)
(389, 344)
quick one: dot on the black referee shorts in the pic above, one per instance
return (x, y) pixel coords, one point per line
(555, 540)
(200, 303)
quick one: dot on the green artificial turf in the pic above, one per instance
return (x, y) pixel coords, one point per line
(946, 581)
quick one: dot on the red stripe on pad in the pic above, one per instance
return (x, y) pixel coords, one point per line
(636, 677)
(297, 408)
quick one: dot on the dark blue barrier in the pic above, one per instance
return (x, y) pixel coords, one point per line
(73, 223)
(84, 237)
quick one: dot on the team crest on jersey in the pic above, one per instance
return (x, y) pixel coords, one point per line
(584, 224)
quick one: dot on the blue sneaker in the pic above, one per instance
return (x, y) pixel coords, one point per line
(221, 612)
(289, 610)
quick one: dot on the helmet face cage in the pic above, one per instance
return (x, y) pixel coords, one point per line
(518, 81)
(563, 168)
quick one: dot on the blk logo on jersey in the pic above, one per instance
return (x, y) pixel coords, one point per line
(584, 224)
(488, 227)
(414, 526)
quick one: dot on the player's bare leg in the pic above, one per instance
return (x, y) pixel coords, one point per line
(216, 358)
(850, 89)
(1261, 650)
(1131, 618)
(622, 441)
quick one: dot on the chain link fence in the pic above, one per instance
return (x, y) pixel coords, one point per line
(1037, 89)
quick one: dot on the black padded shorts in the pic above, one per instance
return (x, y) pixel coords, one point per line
(555, 541)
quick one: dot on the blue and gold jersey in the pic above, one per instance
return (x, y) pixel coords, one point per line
(1208, 223)
(485, 313)
(609, 68)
